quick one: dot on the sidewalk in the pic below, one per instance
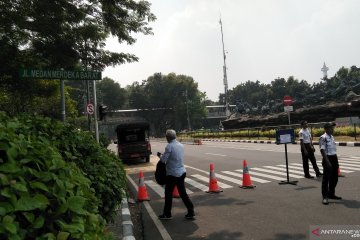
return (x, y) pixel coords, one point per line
(123, 227)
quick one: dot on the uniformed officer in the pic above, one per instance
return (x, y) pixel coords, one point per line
(307, 150)
(330, 163)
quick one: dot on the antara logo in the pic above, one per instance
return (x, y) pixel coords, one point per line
(316, 232)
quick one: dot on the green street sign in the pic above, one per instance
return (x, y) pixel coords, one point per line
(60, 74)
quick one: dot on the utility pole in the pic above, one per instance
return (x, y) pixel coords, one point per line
(62, 89)
(227, 111)
(187, 110)
(95, 114)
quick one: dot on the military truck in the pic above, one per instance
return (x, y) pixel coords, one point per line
(133, 140)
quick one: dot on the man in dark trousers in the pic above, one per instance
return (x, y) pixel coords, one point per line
(330, 163)
(307, 150)
(173, 157)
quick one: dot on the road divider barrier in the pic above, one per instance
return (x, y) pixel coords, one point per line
(246, 177)
(142, 192)
(213, 184)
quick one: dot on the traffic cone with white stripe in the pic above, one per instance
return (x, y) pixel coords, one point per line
(246, 177)
(142, 192)
(176, 193)
(213, 186)
(339, 173)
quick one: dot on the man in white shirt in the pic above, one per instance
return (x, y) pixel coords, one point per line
(330, 163)
(307, 150)
(173, 157)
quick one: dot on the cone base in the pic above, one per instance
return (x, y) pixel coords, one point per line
(248, 187)
(215, 191)
(141, 200)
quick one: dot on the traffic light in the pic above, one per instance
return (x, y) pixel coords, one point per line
(102, 111)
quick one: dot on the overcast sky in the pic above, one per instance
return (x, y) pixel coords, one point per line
(265, 39)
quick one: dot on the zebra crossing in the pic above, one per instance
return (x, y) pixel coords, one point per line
(262, 175)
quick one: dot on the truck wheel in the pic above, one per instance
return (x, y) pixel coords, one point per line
(147, 158)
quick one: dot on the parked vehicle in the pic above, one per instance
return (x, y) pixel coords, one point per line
(133, 140)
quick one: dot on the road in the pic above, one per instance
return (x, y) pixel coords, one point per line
(270, 211)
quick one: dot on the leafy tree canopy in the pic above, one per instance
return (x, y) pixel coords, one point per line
(110, 94)
(171, 97)
(68, 34)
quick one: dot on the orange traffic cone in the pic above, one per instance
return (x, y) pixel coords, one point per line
(213, 186)
(340, 174)
(246, 177)
(142, 192)
(176, 192)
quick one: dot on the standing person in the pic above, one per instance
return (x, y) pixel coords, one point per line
(173, 157)
(307, 150)
(330, 163)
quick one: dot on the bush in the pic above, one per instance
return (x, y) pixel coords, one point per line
(104, 170)
(42, 196)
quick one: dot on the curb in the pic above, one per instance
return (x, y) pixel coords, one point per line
(128, 233)
(348, 144)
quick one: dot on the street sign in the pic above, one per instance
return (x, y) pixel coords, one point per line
(287, 100)
(284, 136)
(288, 108)
(60, 74)
(90, 108)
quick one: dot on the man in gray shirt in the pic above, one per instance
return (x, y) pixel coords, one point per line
(173, 157)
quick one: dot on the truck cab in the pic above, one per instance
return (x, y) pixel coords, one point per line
(133, 140)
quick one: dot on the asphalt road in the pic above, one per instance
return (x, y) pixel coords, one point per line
(270, 211)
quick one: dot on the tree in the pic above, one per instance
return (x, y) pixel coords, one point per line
(278, 88)
(250, 92)
(66, 34)
(110, 94)
(169, 97)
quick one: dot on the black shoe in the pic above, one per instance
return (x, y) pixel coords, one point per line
(309, 176)
(190, 216)
(164, 217)
(325, 201)
(319, 174)
(335, 197)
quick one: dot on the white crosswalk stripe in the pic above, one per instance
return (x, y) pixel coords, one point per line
(321, 168)
(265, 174)
(262, 175)
(350, 161)
(229, 179)
(349, 166)
(206, 179)
(284, 169)
(254, 179)
(155, 187)
(311, 170)
(276, 172)
(196, 184)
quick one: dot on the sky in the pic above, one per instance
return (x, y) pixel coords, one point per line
(264, 40)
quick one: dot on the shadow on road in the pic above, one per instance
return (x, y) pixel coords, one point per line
(222, 235)
(350, 203)
(218, 200)
(286, 236)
